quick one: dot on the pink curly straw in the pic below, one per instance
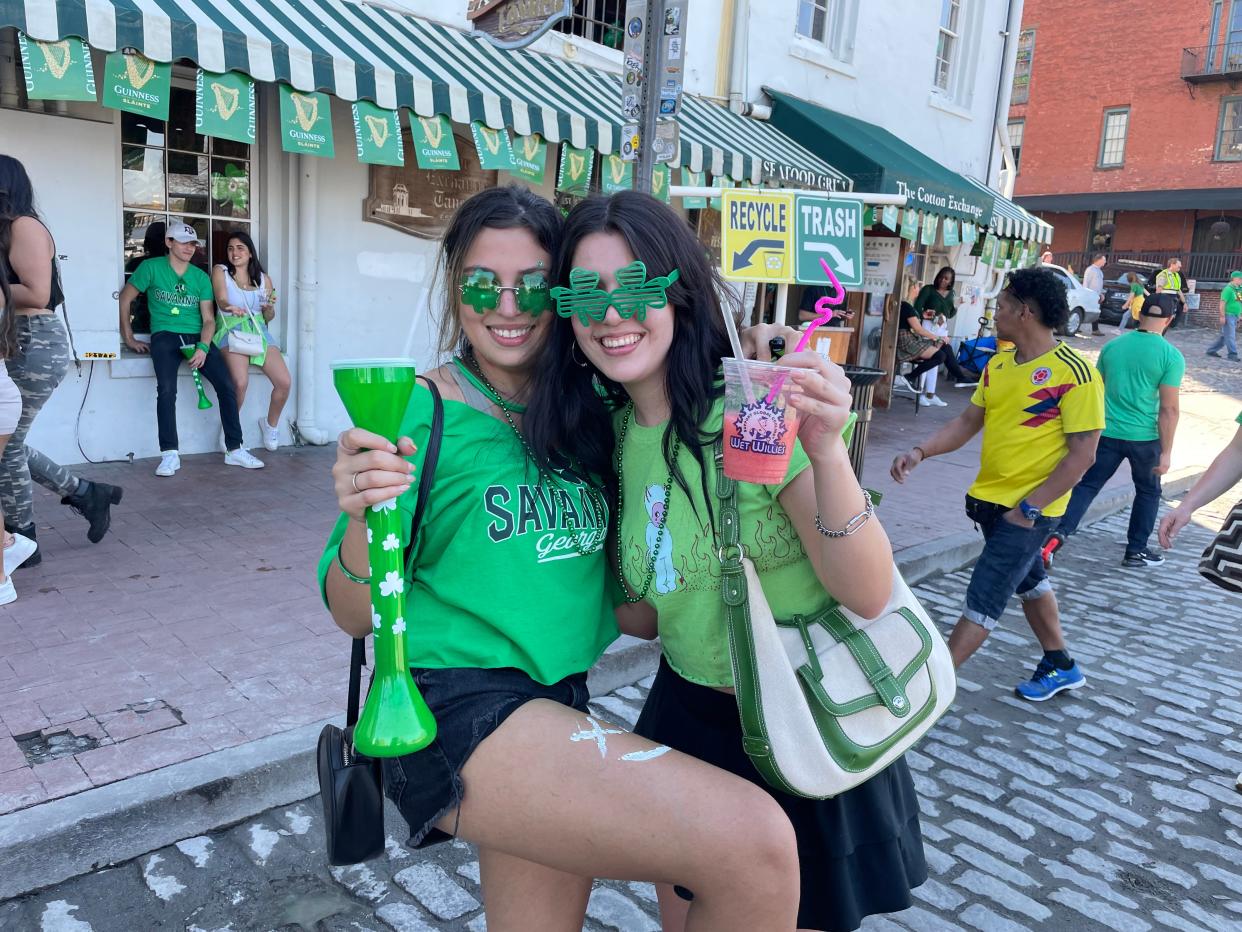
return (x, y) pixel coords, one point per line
(823, 311)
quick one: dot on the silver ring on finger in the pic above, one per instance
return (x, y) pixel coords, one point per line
(354, 482)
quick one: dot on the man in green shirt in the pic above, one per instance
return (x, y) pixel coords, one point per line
(180, 299)
(1230, 311)
(1142, 373)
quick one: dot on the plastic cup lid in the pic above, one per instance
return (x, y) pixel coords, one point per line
(391, 363)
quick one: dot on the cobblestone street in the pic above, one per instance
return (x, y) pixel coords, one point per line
(1110, 808)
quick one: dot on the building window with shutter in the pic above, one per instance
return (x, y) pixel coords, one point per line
(1229, 132)
(948, 43)
(1016, 130)
(1113, 138)
(1022, 67)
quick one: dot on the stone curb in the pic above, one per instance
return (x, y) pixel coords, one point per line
(54, 841)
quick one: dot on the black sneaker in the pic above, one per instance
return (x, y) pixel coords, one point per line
(1144, 558)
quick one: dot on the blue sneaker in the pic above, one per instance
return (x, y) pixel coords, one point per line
(1047, 681)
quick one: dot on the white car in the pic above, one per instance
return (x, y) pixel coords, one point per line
(1084, 304)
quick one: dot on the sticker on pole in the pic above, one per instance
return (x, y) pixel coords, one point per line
(757, 235)
(828, 229)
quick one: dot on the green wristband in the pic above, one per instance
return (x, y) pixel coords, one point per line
(345, 570)
(204, 347)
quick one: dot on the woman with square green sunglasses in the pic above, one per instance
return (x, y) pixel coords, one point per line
(511, 584)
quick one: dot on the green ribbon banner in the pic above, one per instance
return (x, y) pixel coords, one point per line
(1032, 253)
(435, 146)
(950, 232)
(910, 224)
(888, 217)
(57, 70)
(135, 83)
(494, 146)
(1002, 253)
(693, 180)
(530, 158)
(662, 183)
(931, 226)
(574, 174)
(224, 106)
(722, 181)
(989, 249)
(306, 123)
(377, 133)
(615, 174)
(970, 233)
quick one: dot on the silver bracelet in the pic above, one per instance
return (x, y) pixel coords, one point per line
(853, 524)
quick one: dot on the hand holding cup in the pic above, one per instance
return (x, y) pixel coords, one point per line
(370, 470)
(823, 401)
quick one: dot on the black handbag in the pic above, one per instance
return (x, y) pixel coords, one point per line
(351, 785)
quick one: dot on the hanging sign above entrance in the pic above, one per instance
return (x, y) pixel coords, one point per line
(757, 235)
(513, 24)
(832, 230)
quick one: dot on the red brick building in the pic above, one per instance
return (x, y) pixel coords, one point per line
(1126, 123)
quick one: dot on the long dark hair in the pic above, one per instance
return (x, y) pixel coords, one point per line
(952, 277)
(16, 191)
(571, 404)
(254, 268)
(8, 311)
(506, 208)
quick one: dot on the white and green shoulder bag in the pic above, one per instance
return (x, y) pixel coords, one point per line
(827, 700)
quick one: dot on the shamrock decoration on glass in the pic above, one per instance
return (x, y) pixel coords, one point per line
(481, 290)
(632, 297)
(231, 187)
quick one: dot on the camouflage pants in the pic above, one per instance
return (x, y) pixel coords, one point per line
(41, 361)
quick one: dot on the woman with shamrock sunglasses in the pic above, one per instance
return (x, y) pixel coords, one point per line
(513, 607)
(651, 402)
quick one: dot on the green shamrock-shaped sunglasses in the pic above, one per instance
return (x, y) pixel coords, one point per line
(632, 297)
(481, 290)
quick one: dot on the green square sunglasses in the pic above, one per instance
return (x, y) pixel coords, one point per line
(481, 290)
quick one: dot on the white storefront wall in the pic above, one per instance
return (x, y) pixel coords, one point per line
(372, 283)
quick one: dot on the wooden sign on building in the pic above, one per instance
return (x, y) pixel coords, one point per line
(421, 202)
(512, 24)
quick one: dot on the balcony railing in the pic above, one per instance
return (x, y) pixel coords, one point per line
(1207, 268)
(1222, 62)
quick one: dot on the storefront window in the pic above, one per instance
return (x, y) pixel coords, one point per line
(170, 171)
(599, 21)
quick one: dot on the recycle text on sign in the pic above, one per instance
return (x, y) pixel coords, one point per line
(757, 234)
(830, 229)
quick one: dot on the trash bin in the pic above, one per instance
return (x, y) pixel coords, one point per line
(1192, 301)
(862, 387)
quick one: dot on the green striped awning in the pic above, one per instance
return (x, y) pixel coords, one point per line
(1008, 219)
(357, 51)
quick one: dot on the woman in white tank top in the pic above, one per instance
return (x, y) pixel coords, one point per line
(242, 288)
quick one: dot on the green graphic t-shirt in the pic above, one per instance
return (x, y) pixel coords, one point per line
(1134, 367)
(500, 579)
(1231, 298)
(685, 584)
(173, 299)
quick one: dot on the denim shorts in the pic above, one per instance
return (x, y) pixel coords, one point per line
(1010, 563)
(468, 704)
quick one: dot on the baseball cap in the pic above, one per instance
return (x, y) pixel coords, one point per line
(1237, 274)
(1160, 305)
(181, 232)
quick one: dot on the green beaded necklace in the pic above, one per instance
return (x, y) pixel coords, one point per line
(668, 488)
(598, 509)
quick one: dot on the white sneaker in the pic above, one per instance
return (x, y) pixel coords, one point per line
(170, 462)
(18, 552)
(7, 592)
(270, 435)
(243, 458)
(902, 384)
(935, 399)
(925, 402)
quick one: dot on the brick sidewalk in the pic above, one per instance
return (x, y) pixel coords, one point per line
(196, 624)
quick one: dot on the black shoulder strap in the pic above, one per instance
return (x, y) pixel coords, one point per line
(358, 658)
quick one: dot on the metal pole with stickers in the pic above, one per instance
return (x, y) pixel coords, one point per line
(653, 81)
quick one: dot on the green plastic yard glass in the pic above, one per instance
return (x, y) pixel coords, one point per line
(395, 719)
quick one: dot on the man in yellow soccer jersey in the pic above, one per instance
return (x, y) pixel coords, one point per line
(1041, 409)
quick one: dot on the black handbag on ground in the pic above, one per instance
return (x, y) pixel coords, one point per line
(350, 784)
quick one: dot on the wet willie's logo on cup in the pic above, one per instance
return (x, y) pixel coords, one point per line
(759, 429)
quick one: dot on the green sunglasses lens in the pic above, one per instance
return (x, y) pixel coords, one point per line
(533, 295)
(480, 290)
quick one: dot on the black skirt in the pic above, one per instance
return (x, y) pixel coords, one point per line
(860, 853)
